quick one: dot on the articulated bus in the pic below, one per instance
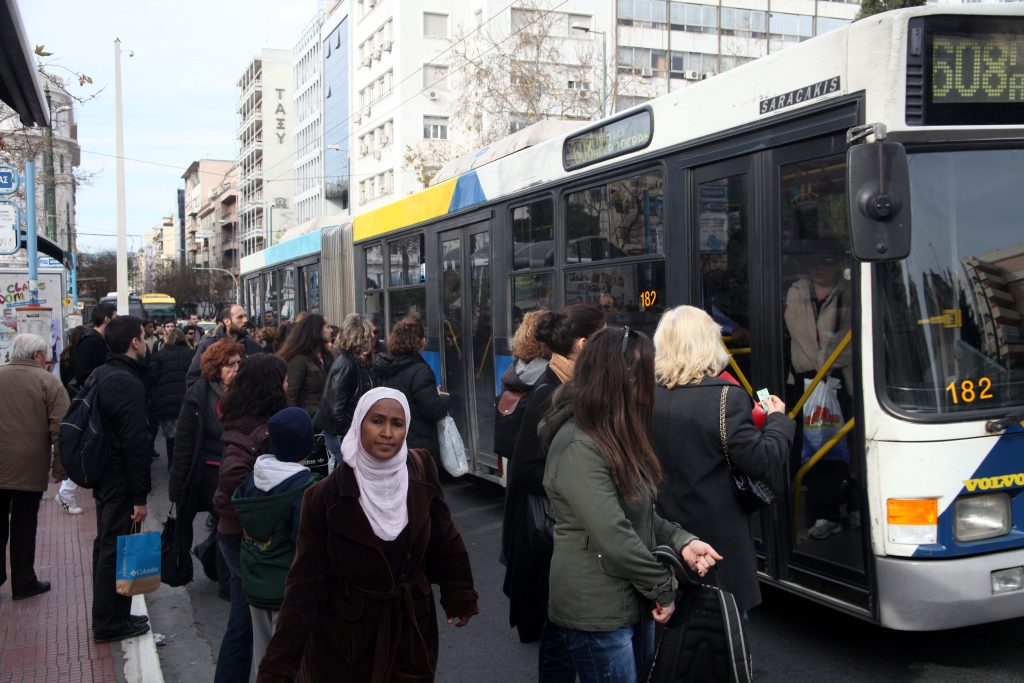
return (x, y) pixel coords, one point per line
(878, 167)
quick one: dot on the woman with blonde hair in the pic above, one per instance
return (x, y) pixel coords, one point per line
(692, 401)
(347, 380)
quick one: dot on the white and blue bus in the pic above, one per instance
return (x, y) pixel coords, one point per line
(878, 166)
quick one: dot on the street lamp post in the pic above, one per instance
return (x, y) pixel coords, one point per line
(604, 63)
(238, 292)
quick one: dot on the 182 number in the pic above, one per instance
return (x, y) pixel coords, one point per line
(968, 391)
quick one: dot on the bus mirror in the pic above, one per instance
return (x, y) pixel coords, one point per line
(878, 186)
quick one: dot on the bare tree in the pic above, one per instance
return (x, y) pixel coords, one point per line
(505, 80)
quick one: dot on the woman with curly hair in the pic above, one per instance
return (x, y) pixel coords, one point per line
(403, 368)
(256, 394)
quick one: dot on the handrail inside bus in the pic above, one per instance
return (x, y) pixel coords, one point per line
(736, 368)
(798, 480)
(455, 339)
(821, 374)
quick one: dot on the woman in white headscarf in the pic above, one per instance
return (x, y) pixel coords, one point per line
(374, 535)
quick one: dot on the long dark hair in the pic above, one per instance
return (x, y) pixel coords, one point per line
(256, 392)
(305, 338)
(613, 402)
(560, 330)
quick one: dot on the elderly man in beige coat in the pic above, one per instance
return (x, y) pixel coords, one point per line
(33, 403)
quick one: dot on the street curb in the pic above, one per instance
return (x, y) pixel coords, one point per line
(141, 662)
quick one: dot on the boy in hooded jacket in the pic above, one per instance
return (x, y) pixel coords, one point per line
(268, 503)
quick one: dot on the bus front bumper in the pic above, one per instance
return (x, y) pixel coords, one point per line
(931, 595)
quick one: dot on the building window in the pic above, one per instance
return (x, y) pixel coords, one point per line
(578, 85)
(435, 127)
(435, 25)
(435, 77)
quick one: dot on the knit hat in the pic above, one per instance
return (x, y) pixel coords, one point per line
(291, 435)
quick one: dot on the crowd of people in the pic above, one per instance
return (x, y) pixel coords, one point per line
(314, 454)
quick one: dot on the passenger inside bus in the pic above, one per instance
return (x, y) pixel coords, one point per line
(817, 316)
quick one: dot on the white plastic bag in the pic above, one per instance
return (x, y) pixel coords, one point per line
(823, 418)
(453, 451)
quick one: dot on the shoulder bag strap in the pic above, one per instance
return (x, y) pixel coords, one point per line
(721, 427)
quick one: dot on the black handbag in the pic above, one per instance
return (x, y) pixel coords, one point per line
(540, 521)
(317, 460)
(752, 494)
(175, 564)
(705, 640)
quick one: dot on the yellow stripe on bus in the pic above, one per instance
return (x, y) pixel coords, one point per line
(422, 206)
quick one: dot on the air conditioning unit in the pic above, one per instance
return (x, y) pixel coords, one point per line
(708, 74)
(584, 94)
(646, 72)
(386, 45)
(384, 139)
(691, 75)
(376, 54)
(366, 113)
(364, 150)
(368, 60)
(357, 117)
(434, 95)
(376, 154)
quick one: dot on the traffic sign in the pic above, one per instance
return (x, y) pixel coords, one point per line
(10, 222)
(8, 179)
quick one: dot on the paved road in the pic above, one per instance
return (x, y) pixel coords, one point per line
(792, 639)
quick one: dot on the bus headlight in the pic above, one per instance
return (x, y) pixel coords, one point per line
(979, 517)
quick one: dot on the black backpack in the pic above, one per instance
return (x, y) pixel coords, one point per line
(83, 442)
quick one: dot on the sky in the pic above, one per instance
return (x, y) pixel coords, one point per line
(179, 91)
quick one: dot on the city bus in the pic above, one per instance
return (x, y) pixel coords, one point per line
(159, 307)
(883, 159)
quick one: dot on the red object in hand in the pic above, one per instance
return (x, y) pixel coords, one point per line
(757, 414)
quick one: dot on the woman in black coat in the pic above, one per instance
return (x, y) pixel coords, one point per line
(166, 379)
(696, 491)
(347, 380)
(526, 567)
(404, 369)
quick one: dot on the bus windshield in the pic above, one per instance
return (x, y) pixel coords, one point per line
(951, 312)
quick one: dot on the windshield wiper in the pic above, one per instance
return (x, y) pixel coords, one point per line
(994, 426)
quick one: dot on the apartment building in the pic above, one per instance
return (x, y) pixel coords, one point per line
(218, 238)
(201, 178)
(307, 68)
(266, 142)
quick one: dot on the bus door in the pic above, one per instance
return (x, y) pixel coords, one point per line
(467, 340)
(823, 540)
(723, 220)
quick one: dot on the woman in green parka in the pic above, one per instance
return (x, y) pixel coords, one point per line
(601, 476)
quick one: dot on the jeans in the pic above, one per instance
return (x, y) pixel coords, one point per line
(234, 661)
(555, 665)
(619, 656)
(333, 443)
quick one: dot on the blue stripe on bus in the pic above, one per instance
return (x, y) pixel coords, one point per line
(468, 192)
(303, 245)
(433, 359)
(1006, 459)
(501, 364)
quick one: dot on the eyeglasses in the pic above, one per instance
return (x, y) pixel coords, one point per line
(625, 339)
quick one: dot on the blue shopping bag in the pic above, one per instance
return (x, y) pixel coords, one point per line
(138, 563)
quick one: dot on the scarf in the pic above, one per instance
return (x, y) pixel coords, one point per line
(270, 472)
(383, 484)
(562, 366)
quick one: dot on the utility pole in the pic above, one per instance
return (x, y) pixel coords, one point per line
(122, 221)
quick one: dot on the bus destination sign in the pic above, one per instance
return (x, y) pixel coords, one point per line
(977, 68)
(624, 135)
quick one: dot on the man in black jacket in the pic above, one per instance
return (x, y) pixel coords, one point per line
(91, 350)
(232, 325)
(90, 353)
(124, 486)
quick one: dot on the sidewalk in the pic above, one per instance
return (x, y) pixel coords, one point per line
(48, 637)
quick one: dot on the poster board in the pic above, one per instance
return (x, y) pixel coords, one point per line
(14, 294)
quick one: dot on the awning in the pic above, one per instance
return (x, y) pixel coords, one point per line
(19, 82)
(48, 247)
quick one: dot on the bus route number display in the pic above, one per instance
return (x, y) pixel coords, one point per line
(977, 68)
(969, 391)
(624, 135)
